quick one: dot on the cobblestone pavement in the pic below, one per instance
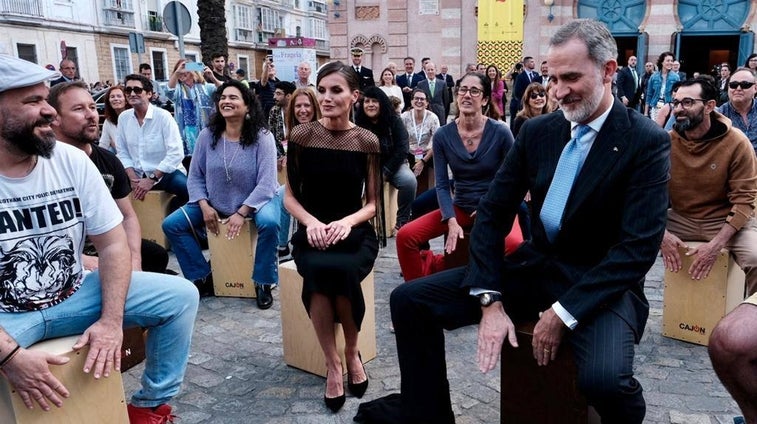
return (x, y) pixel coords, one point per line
(236, 371)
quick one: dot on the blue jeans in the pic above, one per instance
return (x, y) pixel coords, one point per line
(165, 304)
(286, 220)
(405, 182)
(189, 253)
(176, 184)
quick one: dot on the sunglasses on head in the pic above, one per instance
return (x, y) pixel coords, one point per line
(743, 84)
(135, 90)
(534, 94)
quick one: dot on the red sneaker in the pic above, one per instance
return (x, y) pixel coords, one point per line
(161, 414)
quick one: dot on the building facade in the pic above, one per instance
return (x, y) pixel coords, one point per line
(701, 33)
(95, 33)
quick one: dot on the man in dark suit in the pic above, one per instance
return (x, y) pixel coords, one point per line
(628, 84)
(364, 75)
(526, 77)
(447, 78)
(436, 92)
(593, 241)
(408, 81)
(67, 72)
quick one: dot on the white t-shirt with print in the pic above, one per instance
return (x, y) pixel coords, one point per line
(44, 219)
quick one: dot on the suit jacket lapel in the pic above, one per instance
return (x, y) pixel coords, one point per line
(608, 147)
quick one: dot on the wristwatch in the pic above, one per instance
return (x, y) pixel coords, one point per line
(153, 177)
(487, 299)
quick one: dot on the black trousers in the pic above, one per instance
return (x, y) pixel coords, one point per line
(154, 257)
(423, 308)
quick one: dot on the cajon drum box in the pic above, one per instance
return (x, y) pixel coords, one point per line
(692, 308)
(531, 394)
(301, 348)
(133, 347)
(390, 208)
(91, 401)
(151, 212)
(231, 261)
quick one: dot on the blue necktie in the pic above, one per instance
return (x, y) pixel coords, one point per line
(565, 174)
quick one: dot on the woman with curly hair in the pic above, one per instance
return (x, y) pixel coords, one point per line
(232, 177)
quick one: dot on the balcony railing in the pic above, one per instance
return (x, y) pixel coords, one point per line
(121, 19)
(125, 5)
(21, 7)
(314, 6)
(154, 23)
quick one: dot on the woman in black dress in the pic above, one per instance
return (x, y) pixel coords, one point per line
(329, 163)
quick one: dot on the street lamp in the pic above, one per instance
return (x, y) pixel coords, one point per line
(550, 3)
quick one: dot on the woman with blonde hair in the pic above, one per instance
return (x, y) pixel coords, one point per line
(302, 108)
(388, 84)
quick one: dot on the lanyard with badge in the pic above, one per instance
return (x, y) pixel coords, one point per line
(418, 134)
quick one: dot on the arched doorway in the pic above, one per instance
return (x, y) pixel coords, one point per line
(712, 34)
(623, 18)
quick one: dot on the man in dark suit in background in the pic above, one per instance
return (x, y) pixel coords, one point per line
(526, 77)
(628, 84)
(593, 241)
(436, 92)
(447, 78)
(408, 80)
(67, 72)
(364, 75)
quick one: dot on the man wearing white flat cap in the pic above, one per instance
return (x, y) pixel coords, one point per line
(52, 197)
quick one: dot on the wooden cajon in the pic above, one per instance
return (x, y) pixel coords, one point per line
(91, 401)
(301, 348)
(426, 180)
(692, 308)
(231, 261)
(151, 212)
(390, 208)
(531, 394)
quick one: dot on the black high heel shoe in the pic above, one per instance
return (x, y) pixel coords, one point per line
(335, 403)
(358, 389)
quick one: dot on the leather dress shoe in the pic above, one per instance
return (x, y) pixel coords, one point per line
(264, 296)
(205, 286)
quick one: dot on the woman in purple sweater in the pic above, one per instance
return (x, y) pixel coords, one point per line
(232, 177)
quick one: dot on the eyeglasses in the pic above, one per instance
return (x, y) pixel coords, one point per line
(685, 103)
(743, 84)
(473, 91)
(135, 90)
(534, 94)
(419, 99)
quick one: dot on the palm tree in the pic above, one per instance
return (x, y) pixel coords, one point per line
(212, 14)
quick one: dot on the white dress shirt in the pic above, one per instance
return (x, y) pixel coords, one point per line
(154, 145)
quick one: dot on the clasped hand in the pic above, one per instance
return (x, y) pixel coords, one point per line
(321, 235)
(140, 187)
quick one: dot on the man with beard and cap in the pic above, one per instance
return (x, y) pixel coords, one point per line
(597, 173)
(62, 196)
(76, 124)
(713, 185)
